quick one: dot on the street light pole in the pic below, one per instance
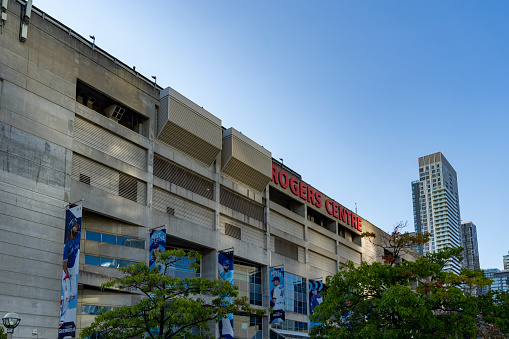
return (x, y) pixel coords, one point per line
(11, 321)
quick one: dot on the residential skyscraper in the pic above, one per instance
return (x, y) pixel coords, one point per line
(436, 205)
(506, 262)
(469, 238)
(471, 253)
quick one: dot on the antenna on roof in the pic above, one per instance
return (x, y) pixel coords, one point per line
(155, 80)
(93, 41)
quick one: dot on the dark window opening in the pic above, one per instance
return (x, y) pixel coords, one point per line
(233, 231)
(282, 199)
(321, 220)
(285, 248)
(85, 179)
(110, 108)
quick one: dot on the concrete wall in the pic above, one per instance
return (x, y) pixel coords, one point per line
(48, 140)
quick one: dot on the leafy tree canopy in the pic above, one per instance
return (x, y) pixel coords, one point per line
(170, 307)
(385, 301)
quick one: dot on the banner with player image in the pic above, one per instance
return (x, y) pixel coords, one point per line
(315, 297)
(225, 261)
(157, 245)
(277, 295)
(69, 291)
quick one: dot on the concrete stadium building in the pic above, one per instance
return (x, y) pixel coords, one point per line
(76, 123)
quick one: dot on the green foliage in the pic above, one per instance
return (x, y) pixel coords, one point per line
(2, 334)
(382, 300)
(170, 307)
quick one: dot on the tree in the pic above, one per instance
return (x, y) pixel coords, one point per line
(2, 334)
(382, 300)
(170, 307)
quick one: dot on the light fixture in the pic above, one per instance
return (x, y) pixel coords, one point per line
(11, 321)
(93, 39)
(155, 80)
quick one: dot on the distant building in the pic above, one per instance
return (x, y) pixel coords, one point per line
(506, 262)
(469, 239)
(436, 206)
(500, 280)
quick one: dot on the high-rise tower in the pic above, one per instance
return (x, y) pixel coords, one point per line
(471, 253)
(436, 205)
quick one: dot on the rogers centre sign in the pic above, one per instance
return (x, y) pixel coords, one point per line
(314, 197)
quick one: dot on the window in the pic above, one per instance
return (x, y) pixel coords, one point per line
(249, 279)
(291, 325)
(110, 108)
(295, 293)
(182, 269)
(107, 262)
(94, 309)
(115, 240)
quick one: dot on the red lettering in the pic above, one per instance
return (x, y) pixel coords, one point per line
(274, 174)
(294, 186)
(303, 189)
(311, 195)
(335, 207)
(354, 221)
(359, 224)
(342, 214)
(283, 183)
(318, 195)
(349, 219)
(328, 202)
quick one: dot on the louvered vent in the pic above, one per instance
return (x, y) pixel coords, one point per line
(187, 127)
(285, 248)
(233, 231)
(240, 204)
(109, 143)
(170, 211)
(182, 177)
(108, 179)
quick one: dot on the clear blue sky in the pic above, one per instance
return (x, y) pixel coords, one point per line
(348, 93)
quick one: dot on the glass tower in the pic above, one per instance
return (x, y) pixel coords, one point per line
(436, 206)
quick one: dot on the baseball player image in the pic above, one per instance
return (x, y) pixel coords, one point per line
(277, 295)
(225, 271)
(70, 267)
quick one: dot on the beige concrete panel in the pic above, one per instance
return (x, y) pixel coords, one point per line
(44, 91)
(196, 198)
(112, 162)
(291, 266)
(327, 264)
(109, 204)
(31, 248)
(240, 217)
(63, 85)
(10, 263)
(242, 248)
(321, 241)
(184, 229)
(287, 236)
(14, 58)
(241, 189)
(349, 254)
(323, 252)
(36, 282)
(285, 212)
(17, 220)
(35, 108)
(13, 76)
(110, 125)
(102, 224)
(286, 225)
(33, 202)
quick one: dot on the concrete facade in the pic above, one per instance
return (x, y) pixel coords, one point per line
(76, 123)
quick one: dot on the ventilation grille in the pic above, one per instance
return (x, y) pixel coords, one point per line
(181, 177)
(108, 179)
(240, 204)
(285, 248)
(109, 143)
(165, 202)
(286, 225)
(233, 231)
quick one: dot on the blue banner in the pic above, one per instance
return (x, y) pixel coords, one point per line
(70, 270)
(157, 245)
(315, 298)
(277, 295)
(225, 261)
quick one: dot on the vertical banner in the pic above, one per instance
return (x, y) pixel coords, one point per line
(157, 245)
(277, 295)
(70, 269)
(315, 298)
(225, 261)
